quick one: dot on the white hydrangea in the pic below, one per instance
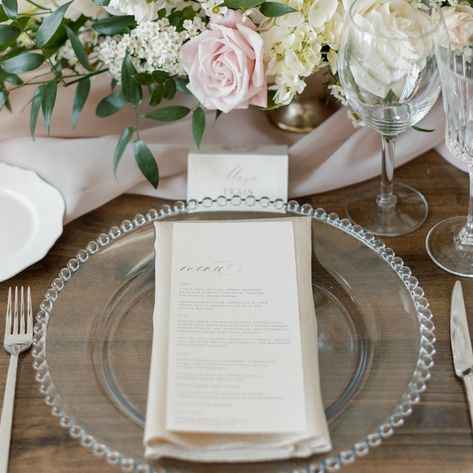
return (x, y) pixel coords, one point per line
(151, 46)
(293, 44)
(337, 91)
(145, 10)
(89, 39)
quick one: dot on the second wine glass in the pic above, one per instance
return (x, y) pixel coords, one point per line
(389, 75)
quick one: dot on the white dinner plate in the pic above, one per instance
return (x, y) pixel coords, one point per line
(31, 213)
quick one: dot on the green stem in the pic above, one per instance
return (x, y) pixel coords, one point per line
(83, 76)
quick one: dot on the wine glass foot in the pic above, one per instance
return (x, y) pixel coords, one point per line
(446, 252)
(408, 214)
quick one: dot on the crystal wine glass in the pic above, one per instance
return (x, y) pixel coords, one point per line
(450, 242)
(389, 75)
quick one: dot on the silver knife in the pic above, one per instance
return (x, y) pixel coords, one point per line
(461, 343)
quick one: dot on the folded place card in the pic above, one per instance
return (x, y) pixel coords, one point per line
(234, 367)
(261, 171)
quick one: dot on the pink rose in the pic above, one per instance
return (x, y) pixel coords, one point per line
(459, 23)
(225, 64)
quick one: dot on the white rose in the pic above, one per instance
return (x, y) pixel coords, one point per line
(459, 24)
(388, 65)
(140, 9)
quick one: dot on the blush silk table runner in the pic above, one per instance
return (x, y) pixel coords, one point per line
(79, 163)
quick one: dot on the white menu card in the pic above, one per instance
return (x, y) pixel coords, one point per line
(234, 372)
(235, 361)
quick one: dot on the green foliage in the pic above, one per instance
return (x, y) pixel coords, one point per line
(181, 85)
(35, 106)
(169, 89)
(10, 7)
(198, 125)
(423, 130)
(121, 146)
(145, 160)
(157, 95)
(80, 98)
(50, 25)
(11, 78)
(48, 100)
(22, 62)
(130, 88)
(274, 9)
(143, 79)
(114, 25)
(3, 98)
(78, 48)
(110, 105)
(160, 76)
(242, 4)
(169, 114)
(8, 33)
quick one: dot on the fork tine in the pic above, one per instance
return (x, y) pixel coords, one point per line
(15, 313)
(29, 308)
(8, 322)
(22, 310)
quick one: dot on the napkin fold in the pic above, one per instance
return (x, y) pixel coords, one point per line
(208, 447)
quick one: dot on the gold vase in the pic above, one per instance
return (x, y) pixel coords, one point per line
(309, 109)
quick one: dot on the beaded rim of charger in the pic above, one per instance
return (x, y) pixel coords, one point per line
(409, 399)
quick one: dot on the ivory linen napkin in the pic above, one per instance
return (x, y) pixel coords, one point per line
(209, 447)
(79, 162)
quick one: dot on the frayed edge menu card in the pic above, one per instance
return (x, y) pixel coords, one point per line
(234, 367)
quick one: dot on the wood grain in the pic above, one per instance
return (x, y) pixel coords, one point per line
(436, 438)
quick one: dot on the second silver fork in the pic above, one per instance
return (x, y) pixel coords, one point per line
(18, 338)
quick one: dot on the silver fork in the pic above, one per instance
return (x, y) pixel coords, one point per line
(18, 338)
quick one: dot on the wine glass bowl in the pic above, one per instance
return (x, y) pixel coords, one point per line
(389, 75)
(450, 242)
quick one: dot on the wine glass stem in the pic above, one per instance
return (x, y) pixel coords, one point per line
(386, 198)
(465, 237)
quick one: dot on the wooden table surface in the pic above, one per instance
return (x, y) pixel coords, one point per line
(436, 438)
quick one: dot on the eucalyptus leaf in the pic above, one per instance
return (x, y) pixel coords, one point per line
(78, 48)
(22, 62)
(145, 160)
(242, 4)
(10, 7)
(274, 9)
(169, 114)
(130, 88)
(198, 125)
(48, 100)
(114, 24)
(157, 95)
(110, 105)
(121, 146)
(35, 106)
(8, 33)
(80, 98)
(50, 25)
(102, 3)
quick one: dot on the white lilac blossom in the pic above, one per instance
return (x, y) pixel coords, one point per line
(151, 46)
(293, 44)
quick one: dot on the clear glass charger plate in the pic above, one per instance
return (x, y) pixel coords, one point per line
(93, 333)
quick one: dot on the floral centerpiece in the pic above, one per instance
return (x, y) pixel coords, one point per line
(227, 54)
